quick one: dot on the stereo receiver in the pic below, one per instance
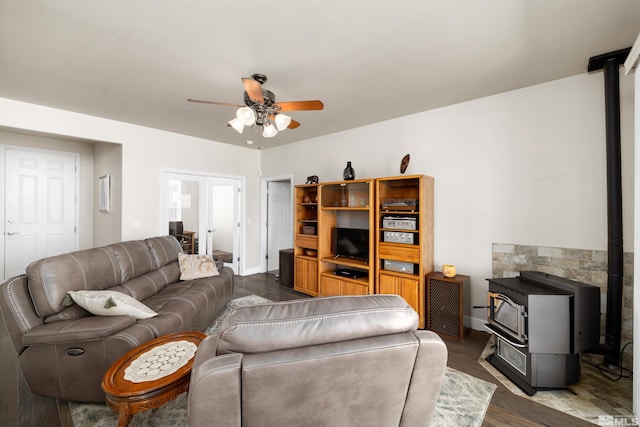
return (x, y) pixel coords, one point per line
(402, 223)
(398, 237)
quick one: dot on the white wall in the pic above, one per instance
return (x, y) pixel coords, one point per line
(524, 167)
(145, 152)
(107, 226)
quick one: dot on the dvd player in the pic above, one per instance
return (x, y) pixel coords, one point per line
(350, 273)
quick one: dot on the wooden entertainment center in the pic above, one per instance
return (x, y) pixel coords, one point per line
(398, 214)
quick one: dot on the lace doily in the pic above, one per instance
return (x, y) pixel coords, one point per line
(160, 361)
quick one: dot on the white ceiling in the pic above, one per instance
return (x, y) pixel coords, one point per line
(138, 61)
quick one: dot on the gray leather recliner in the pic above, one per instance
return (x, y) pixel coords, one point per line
(336, 361)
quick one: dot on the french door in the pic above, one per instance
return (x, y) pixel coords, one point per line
(210, 206)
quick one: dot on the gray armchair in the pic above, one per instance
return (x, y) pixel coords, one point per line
(336, 361)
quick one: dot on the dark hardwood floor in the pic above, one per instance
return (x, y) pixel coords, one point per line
(18, 407)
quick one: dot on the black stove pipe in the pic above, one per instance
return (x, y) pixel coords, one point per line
(614, 213)
(611, 62)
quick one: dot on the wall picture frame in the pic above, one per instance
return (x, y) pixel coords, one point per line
(104, 190)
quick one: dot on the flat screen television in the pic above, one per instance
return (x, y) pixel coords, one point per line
(351, 243)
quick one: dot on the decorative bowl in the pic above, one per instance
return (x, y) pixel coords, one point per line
(449, 270)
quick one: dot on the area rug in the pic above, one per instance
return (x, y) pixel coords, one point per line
(463, 401)
(594, 398)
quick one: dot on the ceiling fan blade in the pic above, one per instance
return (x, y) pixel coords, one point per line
(298, 105)
(293, 124)
(254, 89)
(214, 103)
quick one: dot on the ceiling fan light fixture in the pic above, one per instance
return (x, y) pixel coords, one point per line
(237, 125)
(246, 115)
(260, 108)
(269, 130)
(282, 121)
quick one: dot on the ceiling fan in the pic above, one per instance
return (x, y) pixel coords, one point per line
(260, 108)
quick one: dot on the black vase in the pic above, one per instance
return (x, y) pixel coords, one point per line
(349, 174)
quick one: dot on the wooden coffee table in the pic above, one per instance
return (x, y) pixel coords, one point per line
(128, 398)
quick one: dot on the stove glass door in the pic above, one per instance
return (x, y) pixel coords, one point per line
(507, 315)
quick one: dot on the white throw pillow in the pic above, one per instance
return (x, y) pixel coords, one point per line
(196, 266)
(111, 303)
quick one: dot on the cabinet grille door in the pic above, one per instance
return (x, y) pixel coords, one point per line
(444, 313)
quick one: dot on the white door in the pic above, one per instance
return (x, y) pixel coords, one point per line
(40, 207)
(279, 226)
(223, 232)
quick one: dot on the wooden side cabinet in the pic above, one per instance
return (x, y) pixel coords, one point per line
(448, 302)
(406, 286)
(306, 276)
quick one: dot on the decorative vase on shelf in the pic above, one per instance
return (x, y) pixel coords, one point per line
(349, 174)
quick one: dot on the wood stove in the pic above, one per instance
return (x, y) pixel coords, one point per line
(541, 324)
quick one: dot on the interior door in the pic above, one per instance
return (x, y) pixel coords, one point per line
(40, 207)
(223, 220)
(279, 221)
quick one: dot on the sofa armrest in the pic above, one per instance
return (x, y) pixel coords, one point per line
(214, 392)
(17, 310)
(426, 381)
(84, 329)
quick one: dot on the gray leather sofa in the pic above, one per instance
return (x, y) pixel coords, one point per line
(63, 351)
(335, 361)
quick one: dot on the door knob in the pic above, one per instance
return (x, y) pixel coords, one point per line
(12, 233)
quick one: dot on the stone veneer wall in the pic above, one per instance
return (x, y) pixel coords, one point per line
(582, 265)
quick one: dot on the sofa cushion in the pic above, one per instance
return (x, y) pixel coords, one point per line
(145, 286)
(196, 266)
(170, 272)
(51, 278)
(164, 249)
(134, 258)
(301, 323)
(111, 303)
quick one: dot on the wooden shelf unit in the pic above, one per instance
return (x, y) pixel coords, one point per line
(345, 204)
(306, 240)
(404, 238)
(365, 204)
